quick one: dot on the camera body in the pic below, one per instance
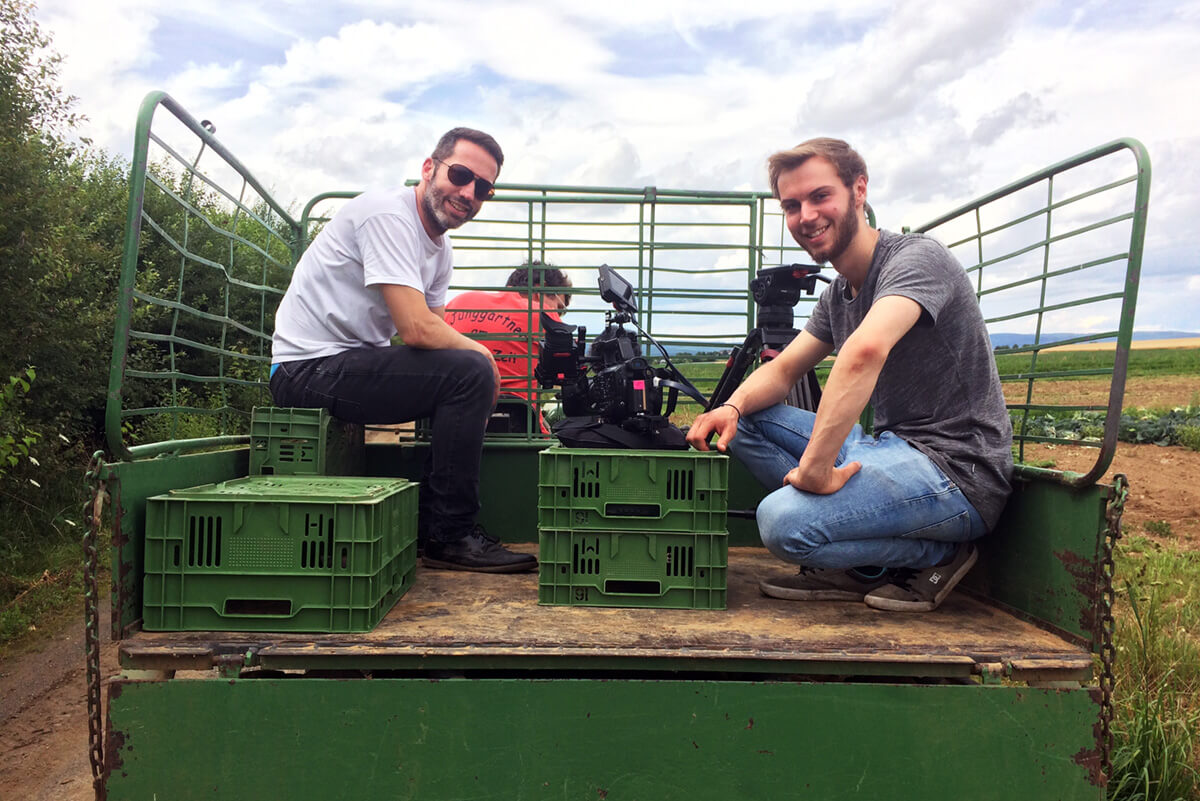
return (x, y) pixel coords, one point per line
(611, 382)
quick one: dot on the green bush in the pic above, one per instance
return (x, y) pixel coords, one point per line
(1189, 436)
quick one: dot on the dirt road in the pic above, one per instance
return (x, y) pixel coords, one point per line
(43, 717)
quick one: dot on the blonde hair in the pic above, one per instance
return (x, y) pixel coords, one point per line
(845, 160)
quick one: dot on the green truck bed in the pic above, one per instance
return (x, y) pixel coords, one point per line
(469, 689)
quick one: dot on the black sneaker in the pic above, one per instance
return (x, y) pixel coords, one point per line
(825, 584)
(478, 552)
(924, 590)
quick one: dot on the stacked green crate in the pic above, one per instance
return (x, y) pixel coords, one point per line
(279, 553)
(287, 441)
(632, 528)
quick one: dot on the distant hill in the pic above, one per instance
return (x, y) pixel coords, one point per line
(1009, 340)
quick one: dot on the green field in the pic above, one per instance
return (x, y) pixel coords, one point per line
(1142, 363)
(1149, 362)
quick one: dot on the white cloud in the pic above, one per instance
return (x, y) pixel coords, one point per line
(945, 100)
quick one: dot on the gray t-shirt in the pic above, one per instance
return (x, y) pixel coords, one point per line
(939, 389)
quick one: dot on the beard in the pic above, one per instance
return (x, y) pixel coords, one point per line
(845, 229)
(434, 203)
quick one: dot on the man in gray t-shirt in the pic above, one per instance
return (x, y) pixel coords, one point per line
(886, 519)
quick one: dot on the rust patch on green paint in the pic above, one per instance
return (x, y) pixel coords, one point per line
(1089, 758)
(1087, 584)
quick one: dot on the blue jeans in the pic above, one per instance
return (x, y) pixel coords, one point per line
(399, 384)
(900, 510)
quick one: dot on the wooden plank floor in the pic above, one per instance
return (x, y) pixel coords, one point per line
(458, 614)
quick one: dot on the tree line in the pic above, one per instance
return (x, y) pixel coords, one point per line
(62, 217)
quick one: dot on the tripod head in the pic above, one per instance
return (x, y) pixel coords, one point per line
(776, 292)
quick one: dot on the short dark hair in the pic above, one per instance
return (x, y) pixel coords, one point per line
(445, 145)
(845, 160)
(534, 273)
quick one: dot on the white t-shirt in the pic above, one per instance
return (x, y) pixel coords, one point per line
(333, 303)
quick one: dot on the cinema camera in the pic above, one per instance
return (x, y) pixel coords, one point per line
(613, 383)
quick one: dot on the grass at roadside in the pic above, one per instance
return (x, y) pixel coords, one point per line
(41, 558)
(45, 583)
(1157, 671)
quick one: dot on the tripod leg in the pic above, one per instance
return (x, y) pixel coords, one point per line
(739, 362)
(806, 394)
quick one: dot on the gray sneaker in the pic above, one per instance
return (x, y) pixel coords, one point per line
(824, 584)
(924, 590)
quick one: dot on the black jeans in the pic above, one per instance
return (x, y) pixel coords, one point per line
(399, 384)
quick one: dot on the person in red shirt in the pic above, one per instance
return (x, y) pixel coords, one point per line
(509, 322)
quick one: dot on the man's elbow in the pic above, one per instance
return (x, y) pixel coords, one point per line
(864, 355)
(418, 333)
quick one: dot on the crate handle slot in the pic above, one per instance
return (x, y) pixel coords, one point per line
(631, 587)
(632, 510)
(261, 607)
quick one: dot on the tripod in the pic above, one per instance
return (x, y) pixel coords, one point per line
(776, 291)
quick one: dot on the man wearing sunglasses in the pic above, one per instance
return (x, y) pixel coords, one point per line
(379, 268)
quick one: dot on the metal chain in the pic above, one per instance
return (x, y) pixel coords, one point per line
(93, 511)
(1112, 532)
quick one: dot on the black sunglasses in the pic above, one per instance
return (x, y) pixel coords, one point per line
(461, 176)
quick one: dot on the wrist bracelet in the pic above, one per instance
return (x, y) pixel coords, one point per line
(731, 406)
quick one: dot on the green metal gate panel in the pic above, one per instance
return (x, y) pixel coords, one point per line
(516, 739)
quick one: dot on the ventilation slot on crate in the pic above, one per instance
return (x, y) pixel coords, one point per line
(680, 560)
(586, 560)
(681, 484)
(299, 452)
(587, 480)
(316, 551)
(204, 541)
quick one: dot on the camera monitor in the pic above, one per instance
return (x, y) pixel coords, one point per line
(616, 290)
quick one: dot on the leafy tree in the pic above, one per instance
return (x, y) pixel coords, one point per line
(61, 216)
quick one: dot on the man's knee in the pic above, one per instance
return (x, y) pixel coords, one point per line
(784, 524)
(473, 371)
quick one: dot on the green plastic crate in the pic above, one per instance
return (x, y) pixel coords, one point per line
(279, 553)
(624, 490)
(623, 568)
(307, 442)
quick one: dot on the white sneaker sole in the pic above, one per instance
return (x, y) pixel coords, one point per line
(793, 594)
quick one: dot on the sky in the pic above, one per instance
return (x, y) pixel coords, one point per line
(945, 99)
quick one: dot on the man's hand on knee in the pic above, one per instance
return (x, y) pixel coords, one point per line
(821, 480)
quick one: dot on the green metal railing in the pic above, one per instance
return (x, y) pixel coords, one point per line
(209, 253)
(207, 256)
(1060, 249)
(689, 254)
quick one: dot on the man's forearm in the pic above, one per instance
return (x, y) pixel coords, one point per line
(434, 333)
(765, 387)
(769, 384)
(846, 393)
